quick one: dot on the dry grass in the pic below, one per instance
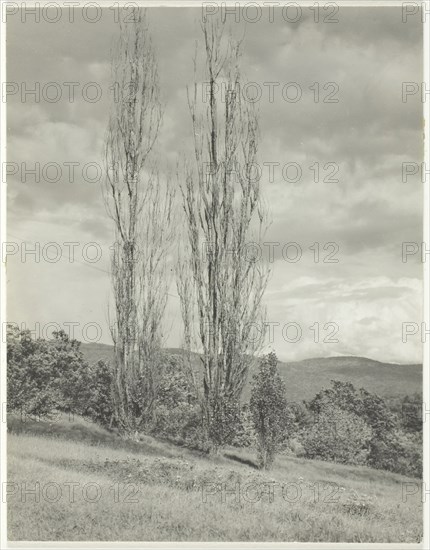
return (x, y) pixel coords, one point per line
(155, 491)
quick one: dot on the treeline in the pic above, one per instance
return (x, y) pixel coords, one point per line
(341, 423)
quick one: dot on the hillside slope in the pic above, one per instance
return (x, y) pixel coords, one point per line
(150, 490)
(305, 378)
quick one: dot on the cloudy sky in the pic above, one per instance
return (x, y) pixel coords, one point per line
(368, 133)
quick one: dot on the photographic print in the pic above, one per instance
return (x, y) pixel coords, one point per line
(214, 254)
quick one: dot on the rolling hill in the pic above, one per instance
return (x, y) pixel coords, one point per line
(305, 378)
(150, 490)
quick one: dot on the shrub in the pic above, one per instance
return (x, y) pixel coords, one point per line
(177, 414)
(358, 504)
(398, 452)
(338, 436)
(224, 423)
(98, 395)
(245, 435)
(369, 406)
(389, 447)
(295, 447)
(43, 376)
(411, 414)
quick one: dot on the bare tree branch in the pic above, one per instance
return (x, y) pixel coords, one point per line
(221, 202)
(140, 206)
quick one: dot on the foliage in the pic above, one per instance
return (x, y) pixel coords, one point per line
(177, 415)
(98, 394)
(411, 413)
(371, 407)
(175, 387)
(224, 423)
(268, 407)
(341, 424)
(395, 442)
(339, 436)
(44, 376)
(245, 434)
(398, 452)
(299, 417)
(179, 418)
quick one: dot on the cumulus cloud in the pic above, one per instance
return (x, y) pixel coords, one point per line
(363, 206)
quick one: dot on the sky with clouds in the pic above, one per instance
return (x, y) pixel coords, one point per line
(360, 302)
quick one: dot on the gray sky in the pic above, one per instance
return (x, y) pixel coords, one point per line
(368, 133)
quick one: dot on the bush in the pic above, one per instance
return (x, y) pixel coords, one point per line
(224, 423)
(98, 395)
(411, 414)
(245, 435)
(295, 447)
(370, 407)
(45, 376)
(390, 447)
(398, 452)
(338, 436)
(177, 414)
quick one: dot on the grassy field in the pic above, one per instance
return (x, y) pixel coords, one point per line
(90, 485)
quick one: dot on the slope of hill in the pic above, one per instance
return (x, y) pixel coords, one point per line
(152, 491)
(305, 378)
(95, 352)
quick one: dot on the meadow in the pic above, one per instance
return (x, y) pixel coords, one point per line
(72, 480)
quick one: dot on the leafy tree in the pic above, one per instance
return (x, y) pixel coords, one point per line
(338, 435)
(48, 375)
(43, 375)
(268, 407)
(389, 446)
(368, 406)
(28, 376)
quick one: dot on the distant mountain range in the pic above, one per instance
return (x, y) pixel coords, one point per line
(306, 378)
